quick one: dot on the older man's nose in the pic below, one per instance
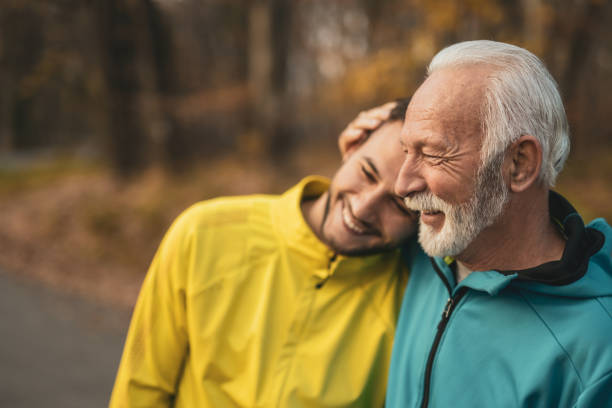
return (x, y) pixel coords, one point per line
(409, 180)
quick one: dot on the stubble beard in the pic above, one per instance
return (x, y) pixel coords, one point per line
(463, 222)
(338, 248)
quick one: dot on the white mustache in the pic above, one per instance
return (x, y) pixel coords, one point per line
(426, 202)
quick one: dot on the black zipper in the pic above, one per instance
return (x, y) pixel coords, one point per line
(451, 303)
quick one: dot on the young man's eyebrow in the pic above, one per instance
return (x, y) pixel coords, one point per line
(371, 163)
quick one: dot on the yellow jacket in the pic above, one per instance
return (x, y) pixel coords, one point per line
(244, 307)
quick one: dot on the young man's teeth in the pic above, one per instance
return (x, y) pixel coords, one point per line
(349, 223)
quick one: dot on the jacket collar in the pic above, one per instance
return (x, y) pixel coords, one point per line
(299, 237)
(581, 243)
(291, 224)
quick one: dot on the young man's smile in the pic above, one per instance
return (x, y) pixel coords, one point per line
(354, 224)
(364, 215)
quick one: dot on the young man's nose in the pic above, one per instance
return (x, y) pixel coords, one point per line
(366, 205)
(409, 180)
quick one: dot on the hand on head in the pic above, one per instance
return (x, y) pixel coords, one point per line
(360, 128)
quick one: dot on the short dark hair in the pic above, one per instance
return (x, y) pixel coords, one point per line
(399, 112)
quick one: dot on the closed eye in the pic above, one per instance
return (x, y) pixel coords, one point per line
(399, 203)
(368, 174)
(434, 159)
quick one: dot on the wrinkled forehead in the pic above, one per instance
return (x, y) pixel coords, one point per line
(458, 91)
(450, 101)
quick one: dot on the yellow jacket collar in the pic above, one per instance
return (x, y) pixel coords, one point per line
(291, 223)
(299, 236)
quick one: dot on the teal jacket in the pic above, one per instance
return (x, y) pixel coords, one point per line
(540, 337)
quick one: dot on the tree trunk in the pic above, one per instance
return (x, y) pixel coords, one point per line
(120, 33)
(6, 107)
(269, 36)
(177, 150)
(573, 79)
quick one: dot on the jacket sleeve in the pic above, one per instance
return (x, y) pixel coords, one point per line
(157, 342)
(598, 394)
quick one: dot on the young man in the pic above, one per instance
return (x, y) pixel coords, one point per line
(277, 301)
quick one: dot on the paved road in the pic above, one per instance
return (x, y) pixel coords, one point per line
(56, 350)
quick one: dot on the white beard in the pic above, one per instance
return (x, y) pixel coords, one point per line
(463, 222)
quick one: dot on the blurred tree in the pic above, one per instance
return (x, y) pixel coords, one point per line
(175, 143)
(577, 84)
(269, 39)
(175, 80)
(122, 24)
(22, 44)
(46, 73)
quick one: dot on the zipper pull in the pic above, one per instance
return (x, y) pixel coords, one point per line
(446, 312)
(320, 284)
(448, 307)
(452, 302)
(332, 259)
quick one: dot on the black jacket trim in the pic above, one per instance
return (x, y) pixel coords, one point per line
(581, 244)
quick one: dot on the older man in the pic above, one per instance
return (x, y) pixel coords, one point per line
(514, 309)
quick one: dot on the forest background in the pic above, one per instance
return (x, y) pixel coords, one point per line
(115, 115)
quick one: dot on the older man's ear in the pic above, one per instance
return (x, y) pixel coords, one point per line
(524, 162)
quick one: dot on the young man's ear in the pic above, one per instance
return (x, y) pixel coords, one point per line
(524, 162)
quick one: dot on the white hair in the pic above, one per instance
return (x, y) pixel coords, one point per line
(521, 98)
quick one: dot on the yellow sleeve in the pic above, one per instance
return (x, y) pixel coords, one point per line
(157, 342)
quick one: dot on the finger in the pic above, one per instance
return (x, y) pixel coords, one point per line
(365, 122)
(389, 105)
(382, 112)
(352, 134)
(379, 113)
(350, 137)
